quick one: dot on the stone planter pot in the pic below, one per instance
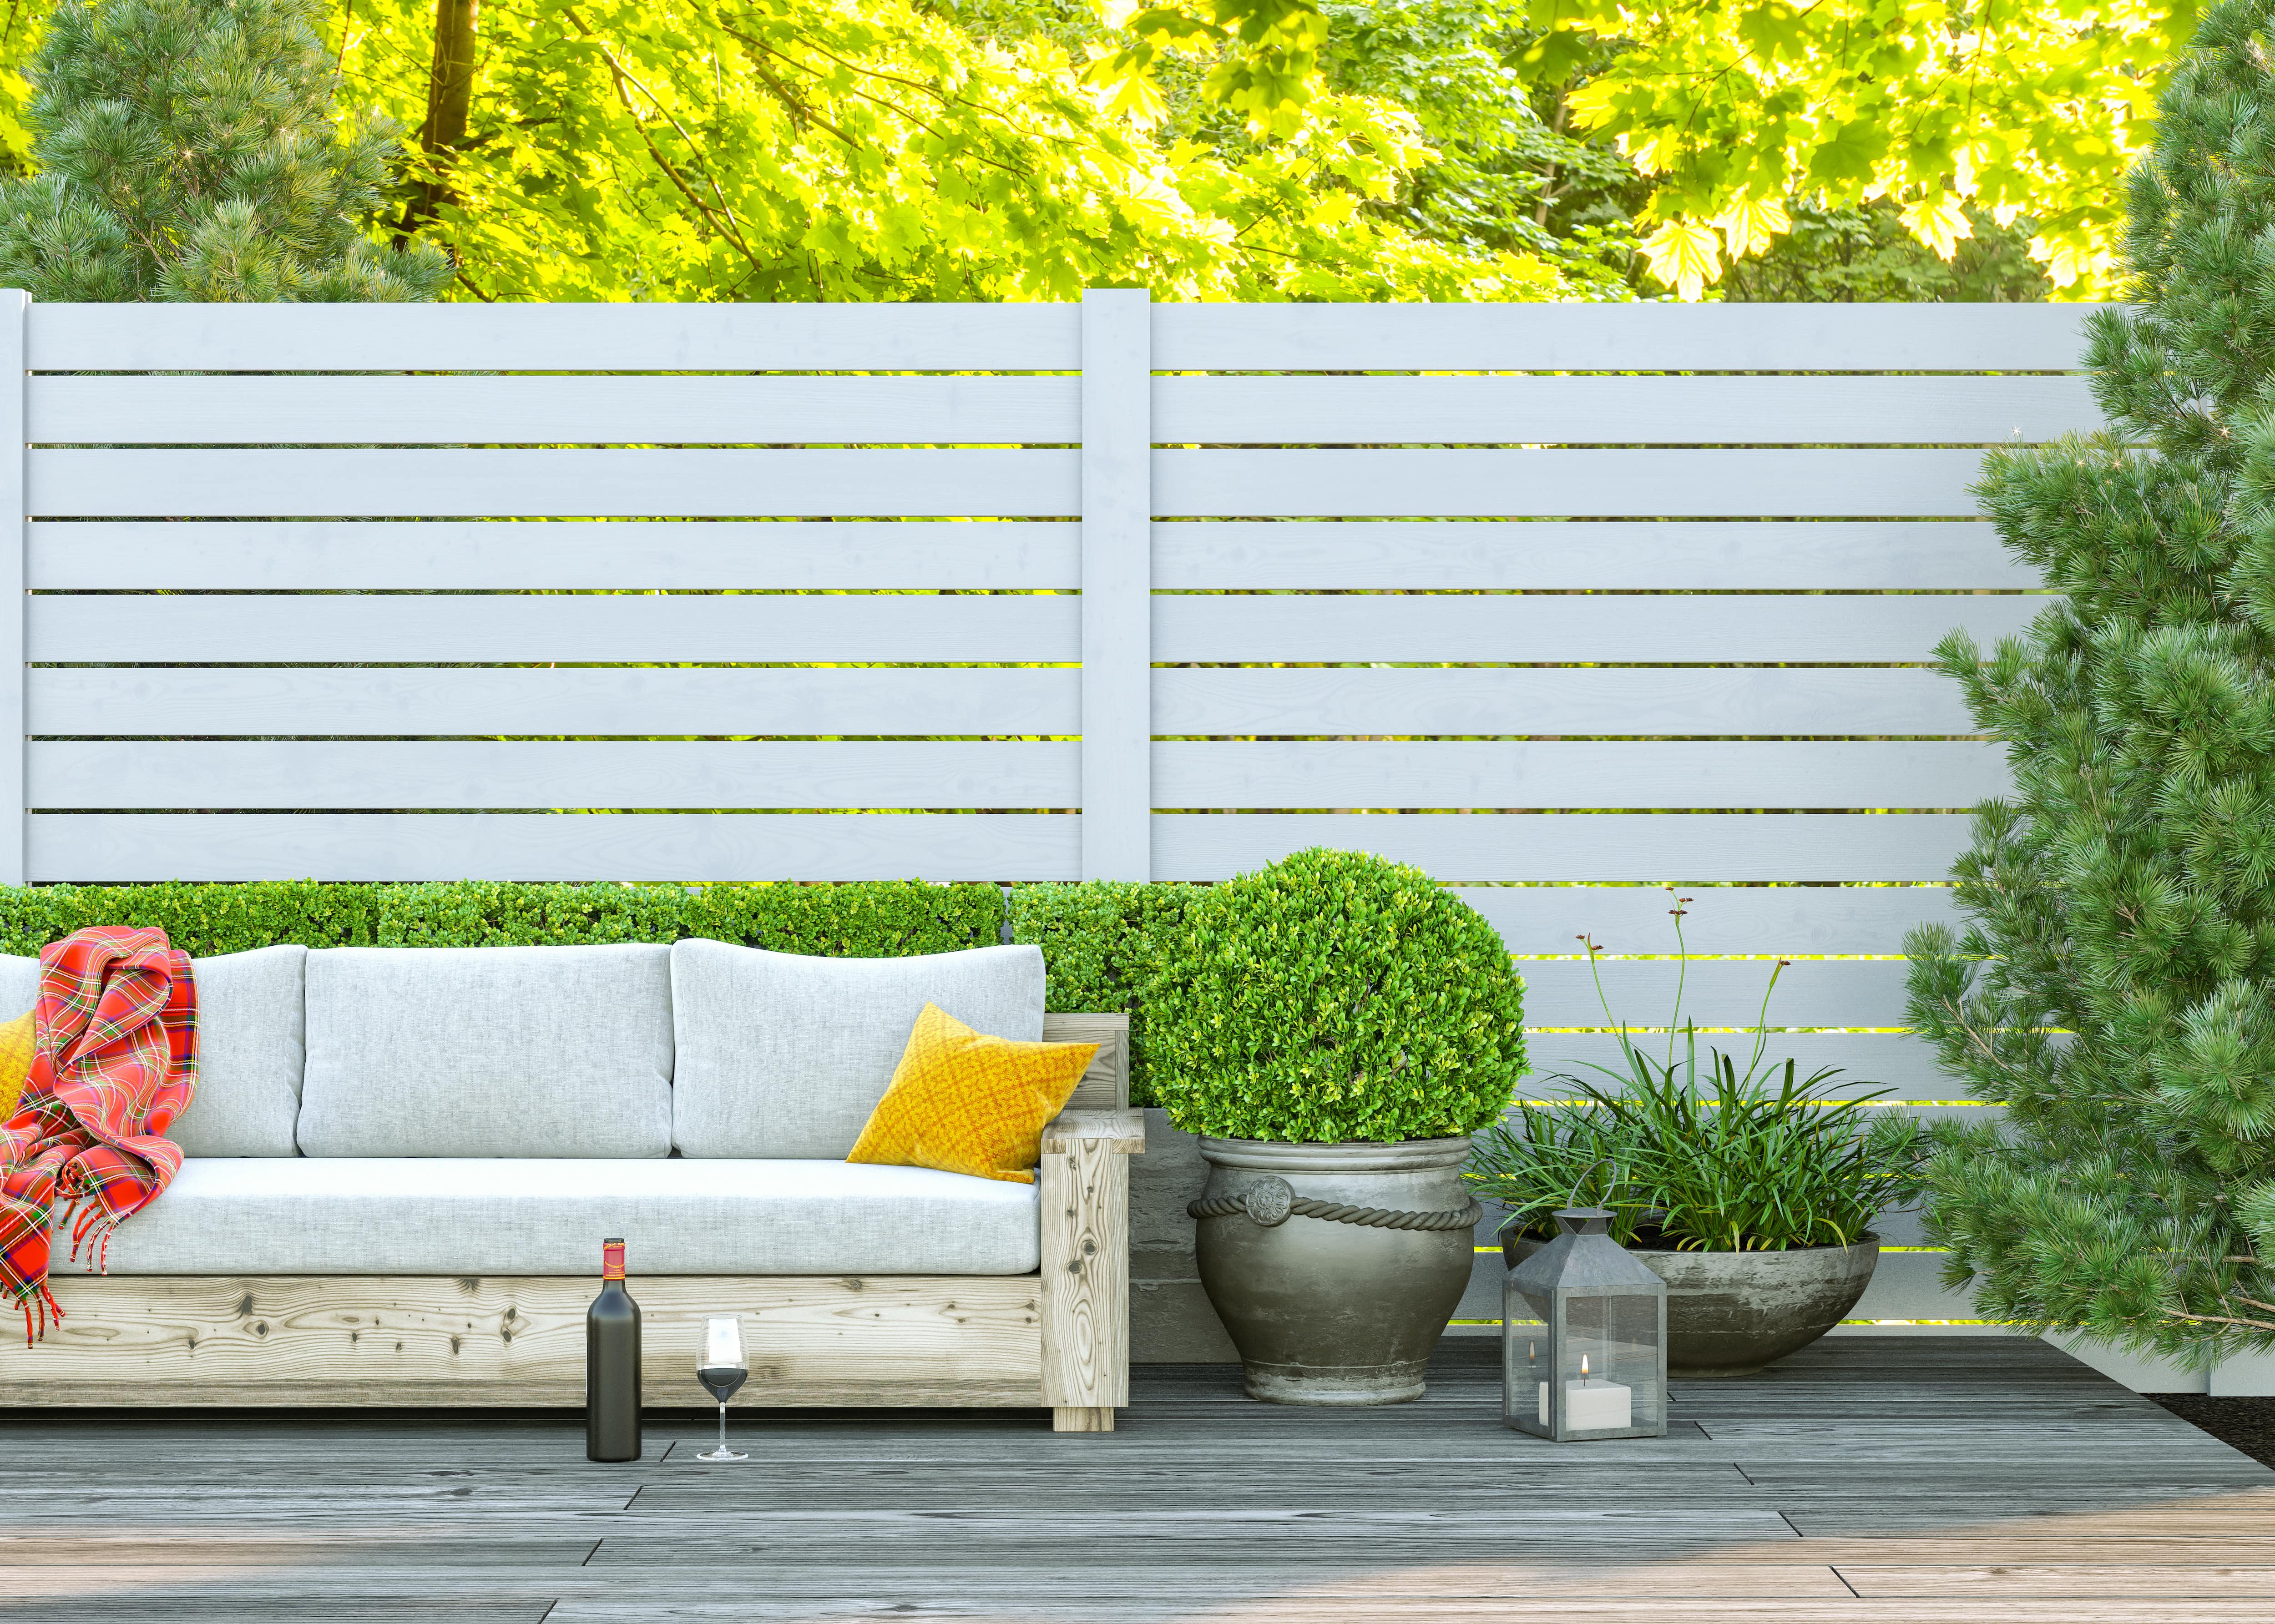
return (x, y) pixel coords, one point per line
(1731, 1313)
(1326, 1312)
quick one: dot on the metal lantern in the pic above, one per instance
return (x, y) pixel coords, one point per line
(1596, 1364)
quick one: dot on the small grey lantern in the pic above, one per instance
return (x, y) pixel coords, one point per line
(1596, 1364)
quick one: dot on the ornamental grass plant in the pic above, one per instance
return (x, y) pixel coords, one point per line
(1334, 996)
(1698, 1155)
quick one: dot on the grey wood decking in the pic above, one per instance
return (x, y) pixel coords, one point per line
(1920, 1479)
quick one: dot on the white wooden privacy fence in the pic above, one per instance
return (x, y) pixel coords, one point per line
(1558, 595)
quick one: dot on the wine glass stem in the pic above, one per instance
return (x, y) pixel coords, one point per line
(723, 1429)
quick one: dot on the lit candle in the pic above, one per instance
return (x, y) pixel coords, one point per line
(1592, 1406)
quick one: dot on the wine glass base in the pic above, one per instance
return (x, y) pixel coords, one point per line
(721, 1455)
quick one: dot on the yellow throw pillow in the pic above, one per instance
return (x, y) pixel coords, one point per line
(965, 1102)
(15, 1061)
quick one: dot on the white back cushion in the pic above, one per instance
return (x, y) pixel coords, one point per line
(488, 1052)
(781, 1055)
(249, 1054)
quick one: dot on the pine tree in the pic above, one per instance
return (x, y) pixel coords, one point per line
(188, 152)
(2116, 982)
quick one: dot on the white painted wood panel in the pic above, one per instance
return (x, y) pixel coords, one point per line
(1720, 992)
(1548, 628)
(1869, 1061)
(375, 555)
(1286, 700)
(535, 484)
(1546, 846)
(289, 408)
(115, 775)
(650, 337)
(1609, 776)
(630, 702)
(1544, 920)
(13, 305)
(1117, 584)
(1475, 483)
(1620, 337)
(1620, 410)
(224, 628)
(1540, 556)
(132, 846)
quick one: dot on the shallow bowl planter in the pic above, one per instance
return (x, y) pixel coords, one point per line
(1732, 1313)
(1326, 1312)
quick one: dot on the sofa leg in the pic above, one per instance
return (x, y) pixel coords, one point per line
(1082, 1418)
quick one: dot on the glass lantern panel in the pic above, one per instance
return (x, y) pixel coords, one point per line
(1526, 1366)
(1611, 1364)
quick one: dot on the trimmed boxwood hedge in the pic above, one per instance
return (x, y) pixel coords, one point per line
(1102, 938)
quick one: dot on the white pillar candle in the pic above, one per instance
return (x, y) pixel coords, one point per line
(1592, 1406)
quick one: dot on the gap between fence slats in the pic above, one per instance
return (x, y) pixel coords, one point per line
(1620, 410)
(1544, 921)
(536, 775)
(596, 409)
(648, 337)
(1788, 483)
(1618, 338)
(662, 846)
(1553, 629)
(1687, 776)
(1655, 555)
(536, 484)
(224, 629)
(1641, 700)
(628, 702)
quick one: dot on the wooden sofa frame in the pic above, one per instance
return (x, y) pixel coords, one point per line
(1058, 1338)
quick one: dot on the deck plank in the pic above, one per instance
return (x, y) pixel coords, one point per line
(1913, 1480)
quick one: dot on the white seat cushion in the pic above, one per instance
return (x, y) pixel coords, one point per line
(488, 1052)
(778, 1054)
(427, 1216)
(249, 1054)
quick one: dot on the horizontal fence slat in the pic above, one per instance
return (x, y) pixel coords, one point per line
(1709, 775)
(1294, 700)
(135, 846)
(1617, 411)
(1616, 337)
(117, 775)
(594, 410)
(652, 337)
(1544, 920)
(638, 702)
(1723, 993)
(1550, 628)
(1577, 846)
(1609, 484)
(1658, 556)
(375, 555)
(535, 484)
(229, 629)
(1908, 1286)
(1869, 1061)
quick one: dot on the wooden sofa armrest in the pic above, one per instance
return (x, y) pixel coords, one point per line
(1070, 1131)
(1086, 1264)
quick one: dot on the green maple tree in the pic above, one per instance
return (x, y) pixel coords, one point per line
(2116, 983)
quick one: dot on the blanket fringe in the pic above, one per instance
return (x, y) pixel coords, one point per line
(44, 1300)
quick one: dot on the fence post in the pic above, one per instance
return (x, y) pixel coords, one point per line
(1117, 584)
(15, 314)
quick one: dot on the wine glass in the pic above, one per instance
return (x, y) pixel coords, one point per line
(723, 1370)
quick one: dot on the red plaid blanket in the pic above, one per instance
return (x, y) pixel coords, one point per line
(114, 1061)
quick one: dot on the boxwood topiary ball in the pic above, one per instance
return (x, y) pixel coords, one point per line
(1334, 995)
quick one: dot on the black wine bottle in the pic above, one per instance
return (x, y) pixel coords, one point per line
(612, 1364)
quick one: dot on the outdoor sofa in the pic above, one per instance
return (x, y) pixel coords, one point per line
(402, 1162)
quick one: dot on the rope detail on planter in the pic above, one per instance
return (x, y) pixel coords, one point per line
(1271, 1202)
